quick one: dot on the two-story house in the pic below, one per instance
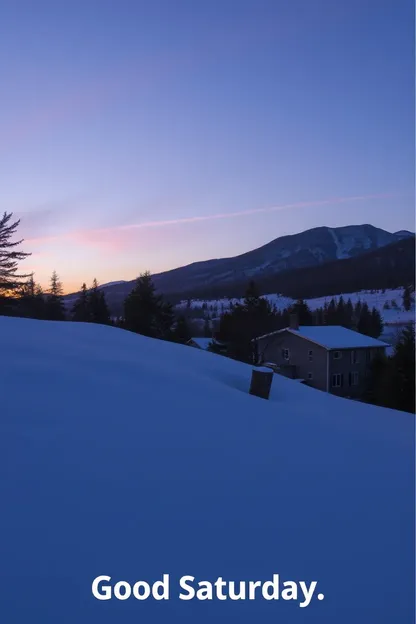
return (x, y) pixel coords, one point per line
(327, 357)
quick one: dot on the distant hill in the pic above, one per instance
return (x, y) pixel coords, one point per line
(392, 266)
(299, 257)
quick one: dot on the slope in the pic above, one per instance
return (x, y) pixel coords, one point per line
(308, 249)
(132, 458)
(391, 266)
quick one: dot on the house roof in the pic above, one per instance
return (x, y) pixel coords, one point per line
(202, 343)
(332, 337)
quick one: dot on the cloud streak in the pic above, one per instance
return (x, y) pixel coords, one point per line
(119, 236)
(243, 213)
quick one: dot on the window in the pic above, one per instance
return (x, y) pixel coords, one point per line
(337, 380)
(310, 376)
(285, 354)
(337, 355)
(354, 357)
(310, 355)
(354, 378)
(368, 355)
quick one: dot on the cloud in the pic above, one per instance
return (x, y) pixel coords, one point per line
(119, 237)
(243, 213)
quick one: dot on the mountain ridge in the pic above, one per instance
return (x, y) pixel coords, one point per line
(305, 250)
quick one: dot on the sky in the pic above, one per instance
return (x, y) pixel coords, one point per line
(147, 135)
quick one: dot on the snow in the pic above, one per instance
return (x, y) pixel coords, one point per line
(133, 458)
(395, 318)
(337, 337)
(203, 343)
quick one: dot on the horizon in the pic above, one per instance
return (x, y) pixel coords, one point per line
(164, 138)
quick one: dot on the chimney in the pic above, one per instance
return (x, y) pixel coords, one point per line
(294, 322)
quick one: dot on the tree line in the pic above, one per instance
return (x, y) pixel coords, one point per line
(144, 311)
(256, 316)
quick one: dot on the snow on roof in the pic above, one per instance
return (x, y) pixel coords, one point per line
(133, 458)
(203, 343)
(337, 337)
(332, 337)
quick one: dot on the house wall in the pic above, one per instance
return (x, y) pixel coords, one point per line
(344, 366)
(270, 350)
(323, 361)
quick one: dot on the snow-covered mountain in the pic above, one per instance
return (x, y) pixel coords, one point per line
(132, 458)
(307, 249)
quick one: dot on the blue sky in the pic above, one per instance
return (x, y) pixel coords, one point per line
(170, 113)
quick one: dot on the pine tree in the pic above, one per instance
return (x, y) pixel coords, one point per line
(97, 305)
(81, 309)
(145, 312)
(55, 310)
(404, 367)
(349, 314)
(182, 332)
(407, 298)
(303, 313)
(377, 324)
(31, 302)
(331, 313)
(364, 320)
(252, 296)
(10, 280)
(40, 303)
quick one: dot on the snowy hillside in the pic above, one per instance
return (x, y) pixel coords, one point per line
(384, 302)
(132, 458)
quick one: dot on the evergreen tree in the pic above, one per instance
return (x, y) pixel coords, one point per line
(40, 303)
(252, 296)
(10, 280)
(349, 314)
(97, 305)
(377, 324)
(81, 309)
(331, 313)
(54, 308)
(145, 312)
(392, 380)
(31, 302)
(404, 371)
(303, 313)
(181, 333)
(240, 327)
(364, 325)
(407, 298)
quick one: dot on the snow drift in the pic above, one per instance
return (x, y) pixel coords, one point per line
(130, 457)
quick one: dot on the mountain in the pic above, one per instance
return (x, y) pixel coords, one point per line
(392, 266)
(311, 248)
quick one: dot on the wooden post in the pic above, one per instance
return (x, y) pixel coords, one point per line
(261, 382)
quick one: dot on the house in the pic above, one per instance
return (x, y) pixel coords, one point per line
(205, 343)
(329, 357)
(200, 343)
